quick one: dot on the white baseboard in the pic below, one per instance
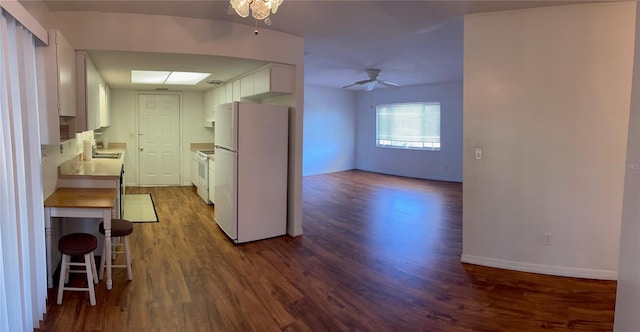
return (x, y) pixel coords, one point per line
(542, 269)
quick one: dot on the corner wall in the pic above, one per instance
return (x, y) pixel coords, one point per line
(628, 293)
(329, 130)
(445, 164)
(546, 95)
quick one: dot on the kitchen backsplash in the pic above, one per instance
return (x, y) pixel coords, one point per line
(202, 146)
(54, 155)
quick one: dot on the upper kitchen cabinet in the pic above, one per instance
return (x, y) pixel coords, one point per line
(65, 75)
(222, 95)
(105, 105)
(270, 80)
(228, 95)
(235, 91)
(246, 86)
(56, 64)
(92, 97)
(273, 79)
(210, 102)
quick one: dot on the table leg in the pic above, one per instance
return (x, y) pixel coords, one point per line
(47, 233)
(107, 247)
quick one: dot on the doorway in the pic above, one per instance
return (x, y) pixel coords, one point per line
(159, 139)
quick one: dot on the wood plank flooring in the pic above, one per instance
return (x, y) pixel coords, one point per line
(379, 253)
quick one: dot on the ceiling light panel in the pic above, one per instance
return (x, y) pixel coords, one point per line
(149, 77)
(185, 78)
(167, 77)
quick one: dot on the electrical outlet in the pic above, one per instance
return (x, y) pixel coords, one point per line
(478, 153)
(547, 239)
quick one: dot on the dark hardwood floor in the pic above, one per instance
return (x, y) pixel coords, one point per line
(379, 253)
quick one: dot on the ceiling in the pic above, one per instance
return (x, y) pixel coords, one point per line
(412, 42)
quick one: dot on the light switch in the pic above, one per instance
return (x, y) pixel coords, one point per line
(478, 153)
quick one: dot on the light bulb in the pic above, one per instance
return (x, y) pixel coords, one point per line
(241, 7)
(274, 5)
(260, 9)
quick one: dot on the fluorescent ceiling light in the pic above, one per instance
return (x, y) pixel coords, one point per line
(166, 77)
(185, 78)
(149, 77)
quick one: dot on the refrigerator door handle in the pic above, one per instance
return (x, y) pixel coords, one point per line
(224, 148)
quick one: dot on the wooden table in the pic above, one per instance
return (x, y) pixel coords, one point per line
(80, 203)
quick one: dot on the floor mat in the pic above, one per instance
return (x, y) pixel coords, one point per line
(139, 208)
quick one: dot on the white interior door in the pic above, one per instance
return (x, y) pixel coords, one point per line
(159, 139)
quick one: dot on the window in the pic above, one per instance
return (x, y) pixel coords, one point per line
(408, 126)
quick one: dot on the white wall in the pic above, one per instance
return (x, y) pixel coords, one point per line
(546, 95)
(628, 294)
(124, 128)
(329, 130)
(445, 164)
(53, 156)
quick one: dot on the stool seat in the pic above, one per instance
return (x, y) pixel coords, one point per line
(77, 244)
(119, 227)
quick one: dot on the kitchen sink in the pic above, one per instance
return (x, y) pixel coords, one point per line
(107, 155)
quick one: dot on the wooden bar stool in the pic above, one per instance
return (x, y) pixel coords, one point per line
(77, 244)
(120, 229)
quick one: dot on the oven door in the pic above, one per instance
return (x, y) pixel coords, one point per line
(203, 171)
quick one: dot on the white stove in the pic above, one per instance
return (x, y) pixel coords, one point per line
(203, 174)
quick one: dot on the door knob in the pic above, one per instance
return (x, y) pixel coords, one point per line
(141, 149)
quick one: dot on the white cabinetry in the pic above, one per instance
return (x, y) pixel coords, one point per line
(228, 96)
(212, 176)
(235, 89)
(246, 86)
(105, 105)
(274, 79)
(222, 95)
(270, 80)
(208, 109)
(207, 103)
(58, 102)
(88, 94)
(93, 94)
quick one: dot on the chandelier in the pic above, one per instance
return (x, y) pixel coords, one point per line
(259, 8)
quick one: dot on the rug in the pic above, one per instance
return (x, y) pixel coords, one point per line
(139, 208)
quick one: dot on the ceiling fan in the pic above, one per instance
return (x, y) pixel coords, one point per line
(372, 81)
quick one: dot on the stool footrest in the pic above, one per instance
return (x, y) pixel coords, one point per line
(76, 289)
(116, 249)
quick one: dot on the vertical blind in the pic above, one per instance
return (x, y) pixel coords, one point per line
(408, 126)
(22, 256)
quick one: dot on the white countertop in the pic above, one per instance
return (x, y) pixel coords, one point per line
(96, 167)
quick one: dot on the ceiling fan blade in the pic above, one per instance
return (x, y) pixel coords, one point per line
(373, 79)
(350, 85)
(356, 83)
(395, 85)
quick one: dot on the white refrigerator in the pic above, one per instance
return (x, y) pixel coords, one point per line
(251, 153)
